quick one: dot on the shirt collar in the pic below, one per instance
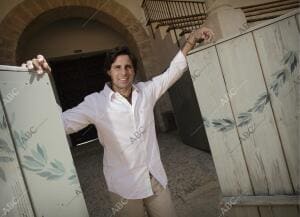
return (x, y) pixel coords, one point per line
(108, 92)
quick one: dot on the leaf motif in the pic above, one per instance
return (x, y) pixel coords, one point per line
(250, 110)
(280, 78)
(216, 123)
(6, 159)
(260, 108)
(244, 115)
(226, 128)
(38, 161)
(228, 121)
(275, 88)
(44, 174)
(42, 152)
(49, 175)
(223, 125)
(54, 170)
(38, 157)
(33, 162)
(262, 97)
(54, 177)
(286, 57)
(24, 165)
(72, 177)
(293, 63)
(245, 118)
(58, 165)
(261, 102)
(291, 59)
(2, 174)
(280, 74)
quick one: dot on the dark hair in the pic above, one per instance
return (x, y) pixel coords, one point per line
(112, 55)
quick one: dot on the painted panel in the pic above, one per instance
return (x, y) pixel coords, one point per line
(214, 100)
(247, 88)
(280, 63)
(14, 200)
(254, 117)
(41, 144)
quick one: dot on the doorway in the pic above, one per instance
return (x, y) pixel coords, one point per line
(75, 77)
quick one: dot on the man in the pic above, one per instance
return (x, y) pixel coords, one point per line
(123, 115)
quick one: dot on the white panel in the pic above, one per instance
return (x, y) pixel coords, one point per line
(280, 64)
(213, 99)
(42, 145)
(14, 200)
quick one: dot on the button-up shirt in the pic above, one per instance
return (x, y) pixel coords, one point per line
(127, 131)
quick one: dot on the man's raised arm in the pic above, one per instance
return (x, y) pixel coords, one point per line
(159, 84)
(198, 35)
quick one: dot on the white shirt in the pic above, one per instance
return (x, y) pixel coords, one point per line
(127, 131)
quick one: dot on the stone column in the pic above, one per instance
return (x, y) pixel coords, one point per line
(224, 19)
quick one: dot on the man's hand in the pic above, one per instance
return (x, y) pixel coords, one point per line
(38, 65)
(197, 35)
(203, 33)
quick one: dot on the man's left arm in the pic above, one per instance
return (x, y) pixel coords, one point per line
(159, 84)
(198, 35)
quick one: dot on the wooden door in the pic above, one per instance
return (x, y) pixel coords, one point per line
(248, 90)
(37, 173)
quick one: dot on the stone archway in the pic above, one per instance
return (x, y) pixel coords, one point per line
(108, 12)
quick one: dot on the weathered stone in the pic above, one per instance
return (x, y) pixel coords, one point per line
(43, 4)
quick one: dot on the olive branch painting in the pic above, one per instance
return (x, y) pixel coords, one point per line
(37, 162)
(290, 62)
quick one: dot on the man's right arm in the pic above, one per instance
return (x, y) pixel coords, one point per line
(80, 116)
(74, 119)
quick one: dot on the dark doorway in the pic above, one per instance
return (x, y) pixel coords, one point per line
(76, 77)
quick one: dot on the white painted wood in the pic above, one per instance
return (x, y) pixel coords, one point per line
(264, 200)
(285, 37)
(44, 152)
(266, 212)
(268, 171)
(212, 97)
(270, 137)
(240, 64)
(14, 200)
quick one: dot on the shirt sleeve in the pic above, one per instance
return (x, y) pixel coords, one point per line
(159, 84)
(80, 116)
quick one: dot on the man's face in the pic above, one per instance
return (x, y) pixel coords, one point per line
(122, 72)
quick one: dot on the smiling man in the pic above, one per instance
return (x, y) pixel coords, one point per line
(123, 115)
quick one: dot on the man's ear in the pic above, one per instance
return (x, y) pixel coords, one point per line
(109, 73)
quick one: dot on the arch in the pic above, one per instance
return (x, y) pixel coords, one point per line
(107, 12)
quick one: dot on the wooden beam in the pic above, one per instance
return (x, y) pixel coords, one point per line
(267, 4)
(271, 10)
(272, 200)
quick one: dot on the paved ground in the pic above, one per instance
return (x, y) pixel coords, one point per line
(191, 173)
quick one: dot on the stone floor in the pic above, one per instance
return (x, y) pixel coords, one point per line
(191, 173)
